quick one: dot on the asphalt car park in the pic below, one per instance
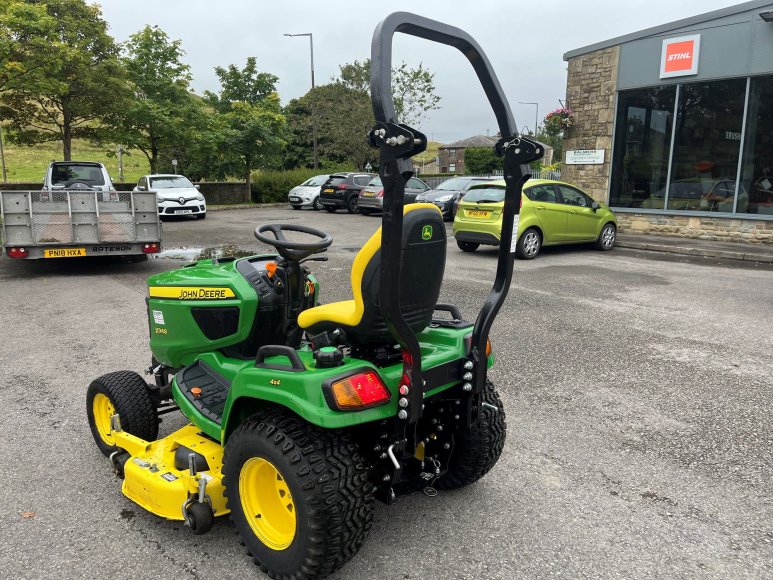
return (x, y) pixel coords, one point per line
(637, 393)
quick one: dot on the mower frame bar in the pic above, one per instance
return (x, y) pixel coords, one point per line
(397, 143)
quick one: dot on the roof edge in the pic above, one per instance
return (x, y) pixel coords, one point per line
(660, 29)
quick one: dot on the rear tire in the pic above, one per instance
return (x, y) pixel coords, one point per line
(467, 246)
(351, 205)
(127, 394)
(300, 497)
(476, 451)
(607, 237)
(529, 244)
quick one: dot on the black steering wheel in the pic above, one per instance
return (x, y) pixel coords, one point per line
(293, 250)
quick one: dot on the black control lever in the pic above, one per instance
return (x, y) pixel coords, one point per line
(318, 259)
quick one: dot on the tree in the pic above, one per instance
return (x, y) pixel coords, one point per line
(481, 160)
(254, 125)
(413, 89)
(343, 117)
(25, 31)
(70, 83)
(160, 115)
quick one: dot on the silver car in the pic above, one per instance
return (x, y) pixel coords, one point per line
(307, 193)
(176, 195)
(371, 198)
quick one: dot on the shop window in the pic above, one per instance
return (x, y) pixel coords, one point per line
(757, 161)
(707, 146)
(642, 147)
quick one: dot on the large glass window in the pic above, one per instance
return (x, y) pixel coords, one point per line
(642, 147)
(707, 146)
(757, 170)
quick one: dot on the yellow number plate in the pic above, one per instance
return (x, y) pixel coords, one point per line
(476, 213)
(64, 253)
(328, 190)
(368, 194)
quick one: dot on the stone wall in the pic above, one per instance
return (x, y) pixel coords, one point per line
(703, 228)
(590, 94)
(216, 192)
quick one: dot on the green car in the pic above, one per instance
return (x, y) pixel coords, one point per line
(552, 213)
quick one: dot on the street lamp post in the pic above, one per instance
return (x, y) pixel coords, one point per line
(536, 115)
(313, 120)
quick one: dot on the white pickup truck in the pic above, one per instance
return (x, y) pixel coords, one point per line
(78, 213)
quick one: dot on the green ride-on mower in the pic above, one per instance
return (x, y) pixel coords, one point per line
(300, 414)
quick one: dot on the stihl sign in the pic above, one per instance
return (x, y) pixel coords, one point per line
(679, 56)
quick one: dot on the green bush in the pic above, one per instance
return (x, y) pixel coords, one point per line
(273, 186)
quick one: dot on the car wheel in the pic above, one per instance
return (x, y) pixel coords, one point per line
(201, 216)
(330, 208)
(366, 211)
(295, 206)
(351, 205)
(317, 205)
(606, 239)
(529, 244)
(467, 246)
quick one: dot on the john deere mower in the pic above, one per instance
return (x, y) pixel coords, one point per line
(301, 414)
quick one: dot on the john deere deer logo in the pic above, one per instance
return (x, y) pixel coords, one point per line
(426, 233)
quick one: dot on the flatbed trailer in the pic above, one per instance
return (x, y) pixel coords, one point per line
(62, 223)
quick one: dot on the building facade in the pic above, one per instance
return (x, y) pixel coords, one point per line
(451, 156)
(673, 125)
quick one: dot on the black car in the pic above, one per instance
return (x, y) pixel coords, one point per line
(447, 193)
(341, 190)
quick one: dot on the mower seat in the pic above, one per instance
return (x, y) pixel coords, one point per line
(421, 274)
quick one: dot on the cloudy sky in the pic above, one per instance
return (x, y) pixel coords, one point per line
(525, 42)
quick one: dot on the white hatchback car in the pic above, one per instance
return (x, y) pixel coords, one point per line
(307, 193)
(176, 195)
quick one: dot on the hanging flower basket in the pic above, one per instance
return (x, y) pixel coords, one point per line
(558, 120)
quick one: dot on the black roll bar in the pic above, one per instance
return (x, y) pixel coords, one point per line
(397, 143)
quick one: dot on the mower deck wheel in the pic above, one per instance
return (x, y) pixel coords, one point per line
(200, 517)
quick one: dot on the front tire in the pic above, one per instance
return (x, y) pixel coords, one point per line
(127, 394)
(467, 246)
(351, 205)
(295, 206)
(317, 205)
(607, 237)
(300, 496)
(201, 216)
(529, 244)
(476, 451)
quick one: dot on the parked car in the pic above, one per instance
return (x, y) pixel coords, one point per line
(552, 213)
(341, 190)
(176, 195)
(307, 193)
(371, 198)
(447, 193)
(78, 175)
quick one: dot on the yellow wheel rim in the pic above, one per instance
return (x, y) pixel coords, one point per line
(267, 503)
(102, 408)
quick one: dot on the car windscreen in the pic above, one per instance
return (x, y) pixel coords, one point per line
(69, 174)
(170, 182)
(337, 180)
(315, 181)
(485, 195)
(456, 184)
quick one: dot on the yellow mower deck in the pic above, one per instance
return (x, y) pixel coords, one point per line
(152, 481)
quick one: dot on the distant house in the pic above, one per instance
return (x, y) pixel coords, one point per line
(451, 156)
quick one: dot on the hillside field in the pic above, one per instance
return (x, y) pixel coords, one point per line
(28, 164)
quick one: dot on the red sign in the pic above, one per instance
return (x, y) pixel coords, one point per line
(679, 56)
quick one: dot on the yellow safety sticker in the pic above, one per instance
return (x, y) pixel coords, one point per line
(191, 293)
